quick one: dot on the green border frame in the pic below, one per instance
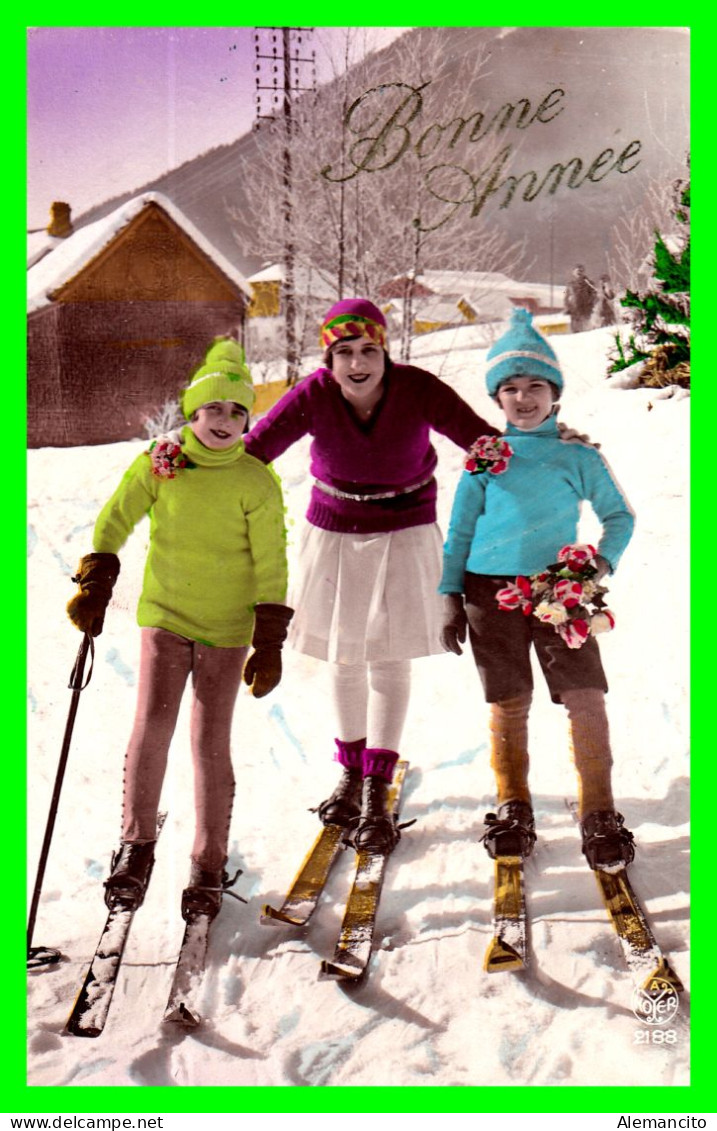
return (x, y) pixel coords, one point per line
(16, 1096)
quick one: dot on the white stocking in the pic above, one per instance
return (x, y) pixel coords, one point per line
(371, 701)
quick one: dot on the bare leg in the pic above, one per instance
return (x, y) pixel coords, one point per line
(165, 663)
(216, 675)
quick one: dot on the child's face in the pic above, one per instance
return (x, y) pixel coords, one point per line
(219, 424)
(526, 401)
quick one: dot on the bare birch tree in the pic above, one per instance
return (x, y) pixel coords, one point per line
(395, 217)
(633, 237)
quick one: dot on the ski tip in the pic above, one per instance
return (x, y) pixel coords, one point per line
(77, 1029)
(501, 956)
(339, 972)
(663, 972)
(182, 1015)
(40, 957)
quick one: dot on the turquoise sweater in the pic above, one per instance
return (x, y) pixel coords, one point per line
(217, 541)
(516, 522)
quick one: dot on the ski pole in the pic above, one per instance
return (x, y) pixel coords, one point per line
(45, 956)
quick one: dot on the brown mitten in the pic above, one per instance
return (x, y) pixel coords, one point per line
(96, 576)
(455, 623)
(263, 668)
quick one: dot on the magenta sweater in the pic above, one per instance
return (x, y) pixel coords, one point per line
(390, 453)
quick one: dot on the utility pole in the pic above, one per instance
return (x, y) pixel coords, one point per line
(278, 58)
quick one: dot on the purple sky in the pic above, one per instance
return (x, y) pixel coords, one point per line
(112, 107)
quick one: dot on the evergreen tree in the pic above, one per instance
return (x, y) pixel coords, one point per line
(660, 313)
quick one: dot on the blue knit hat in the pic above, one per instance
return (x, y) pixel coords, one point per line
(521, 352)
(224, 376)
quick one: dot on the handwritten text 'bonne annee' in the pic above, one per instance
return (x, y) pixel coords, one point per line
(388, 124)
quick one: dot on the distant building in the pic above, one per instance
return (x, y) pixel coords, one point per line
(314, 292)
(119, 314)
(444, 299)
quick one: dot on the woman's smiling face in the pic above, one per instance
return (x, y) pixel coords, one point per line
(526, 401)
(358, 366)
(219, 424)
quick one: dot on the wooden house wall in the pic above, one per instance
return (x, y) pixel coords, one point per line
(96, 369)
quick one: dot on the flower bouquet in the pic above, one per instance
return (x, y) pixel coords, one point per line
(167, 458)
(564, 595)
(488, 453)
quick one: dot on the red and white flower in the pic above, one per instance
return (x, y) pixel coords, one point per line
(516, 595)
(578, 556)
(575, 632)
(570, 593)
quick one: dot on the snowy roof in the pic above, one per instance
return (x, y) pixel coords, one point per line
(305, 280)
(437, 309)
(40, 244)
(74, 253)
(474, 286)
(457, 282)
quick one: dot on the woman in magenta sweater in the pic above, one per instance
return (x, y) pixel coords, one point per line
(367, 598)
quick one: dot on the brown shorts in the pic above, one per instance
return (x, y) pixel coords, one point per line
(501, 643)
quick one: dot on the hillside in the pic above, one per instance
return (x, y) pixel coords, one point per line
(621, 85)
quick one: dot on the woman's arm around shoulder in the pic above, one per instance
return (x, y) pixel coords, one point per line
(285, 422)
(448, 413)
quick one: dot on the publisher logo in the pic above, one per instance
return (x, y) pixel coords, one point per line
(656, 1005)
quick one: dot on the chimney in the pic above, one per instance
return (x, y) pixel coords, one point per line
(60, 220)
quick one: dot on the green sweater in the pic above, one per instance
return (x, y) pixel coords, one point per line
(217, 540)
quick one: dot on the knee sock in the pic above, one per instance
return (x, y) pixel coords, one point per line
(590, 748)
(509, 747)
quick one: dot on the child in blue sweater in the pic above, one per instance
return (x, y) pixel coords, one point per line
(512, 524)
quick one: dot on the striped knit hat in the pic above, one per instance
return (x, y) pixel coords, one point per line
(353, 318)
(224, 376)
(521, 352)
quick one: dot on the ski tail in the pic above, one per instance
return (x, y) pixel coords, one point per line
(508, 949)
(182, 1003)
(353, 949)
(92, 1004)
(305, 892)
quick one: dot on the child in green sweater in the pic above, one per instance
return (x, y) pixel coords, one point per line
(215, 581)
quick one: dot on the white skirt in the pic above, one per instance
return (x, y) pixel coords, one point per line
(365, 597)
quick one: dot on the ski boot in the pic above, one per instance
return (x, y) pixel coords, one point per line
(343, 807)
(377, 829)
(203, 894)
(607, 845)
(131, 869)
(510, 831)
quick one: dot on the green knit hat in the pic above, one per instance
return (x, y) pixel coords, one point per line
(224, 376)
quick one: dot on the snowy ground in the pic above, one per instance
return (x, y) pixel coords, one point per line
(427, 1015)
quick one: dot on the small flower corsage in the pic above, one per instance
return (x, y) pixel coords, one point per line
(564, 595)
(488, 453)
(167, 458)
